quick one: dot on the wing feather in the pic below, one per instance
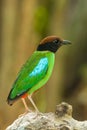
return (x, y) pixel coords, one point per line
(31, 73)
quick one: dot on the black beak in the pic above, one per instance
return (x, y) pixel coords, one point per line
(65, 42)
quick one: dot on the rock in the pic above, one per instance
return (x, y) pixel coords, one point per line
(60, 120)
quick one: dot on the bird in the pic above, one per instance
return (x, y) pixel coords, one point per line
(36, 71)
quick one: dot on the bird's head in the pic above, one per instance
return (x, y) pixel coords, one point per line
(51, 43)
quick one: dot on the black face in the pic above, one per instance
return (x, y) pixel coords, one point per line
(50, 45)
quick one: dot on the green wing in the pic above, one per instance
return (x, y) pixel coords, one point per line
(31, 73)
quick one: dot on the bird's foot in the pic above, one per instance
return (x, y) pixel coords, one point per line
(26, 111)
(37, 113)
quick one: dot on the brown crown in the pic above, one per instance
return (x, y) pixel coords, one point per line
(49, 39)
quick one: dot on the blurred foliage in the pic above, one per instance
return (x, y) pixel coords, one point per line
(23, 24)
(42, 17)
(41, 20)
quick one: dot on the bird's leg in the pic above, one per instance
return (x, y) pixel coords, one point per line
(26, 107)
(29, 97)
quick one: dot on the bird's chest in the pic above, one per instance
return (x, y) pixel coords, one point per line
(51, 60)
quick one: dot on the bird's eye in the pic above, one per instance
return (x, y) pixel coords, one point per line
(55, 41)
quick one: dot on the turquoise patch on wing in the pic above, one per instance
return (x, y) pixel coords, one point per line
(42, 65)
